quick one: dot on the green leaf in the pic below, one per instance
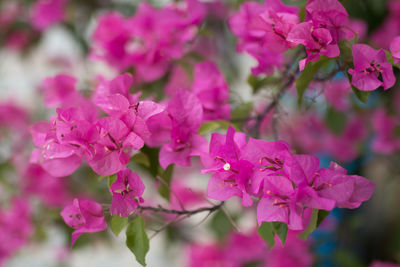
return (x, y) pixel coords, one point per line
(111, 180)
(298, 3)
(141, 158)
(211, 126)
(311, 226)
(266, 231)
(361, 95)
(322, 214)
(118, 224)
(257, 83)
(166, 176)
(242, 111)
(152, 155)
(137, 240)
(220, 225)
(281, 229)
(335, 120)
(307, 75)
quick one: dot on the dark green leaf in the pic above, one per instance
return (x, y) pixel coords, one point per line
(307, 75)
(281, 229)
(118, 224)
(322, 214)
(335, 120)
(152, 155)
(311, 226)
(266, 231)
(166, 176)
(299, 3)
(242, 111)
(137, 240)
(220, 225)
(141, 158)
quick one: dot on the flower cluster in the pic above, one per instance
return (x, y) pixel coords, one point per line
(242, 249)
(288, 185)
(148, 41)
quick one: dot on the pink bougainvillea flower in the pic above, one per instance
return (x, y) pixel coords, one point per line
(387, 138)
(330, 14)
(204, 255)
(276, 26)
(383, 264)
(15, 228)
(232, 173)
(337, 92)
(114, 146)
(279, 203)
(186, 112)
(127, 192)
(59, 89)
(295, 252)
(349, 191)
(369, 66)
(45, 13)
(395, 49)
(251, 30)
(85, 216)
(317, 41)
(149, 40)
(212, 90)
(52, 191)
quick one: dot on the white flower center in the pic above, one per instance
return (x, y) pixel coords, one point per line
(227, 167)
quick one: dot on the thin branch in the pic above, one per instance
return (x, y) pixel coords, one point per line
(180, 212)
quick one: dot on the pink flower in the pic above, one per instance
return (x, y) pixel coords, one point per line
(330, 14)
(51, 190)
(369, 66)
(295, 252)
(150, 40)
(383, 264)
(187, 114)
(85, 216)
(387, 139)
(231, 173)
(127, 191)
(318, 41)
(212, 90)
(337, 92)
(257, 37)
(59, 89)
(45, 13)
(15, 228)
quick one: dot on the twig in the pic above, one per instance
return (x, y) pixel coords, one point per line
(180, 212)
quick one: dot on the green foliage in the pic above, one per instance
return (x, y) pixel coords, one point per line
(166, 176)
(361, 95)
(137, 240)
(220, 225)
(311, 226)
(307, 76)
(267, 230)
(299, 3)
(212, 126)
(256, 83)
(322, 214)
(335, 120)
(111, 179)
(242, 111)
(152, 155)
(118, 224)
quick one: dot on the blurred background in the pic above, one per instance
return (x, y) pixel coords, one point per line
(31, 50)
